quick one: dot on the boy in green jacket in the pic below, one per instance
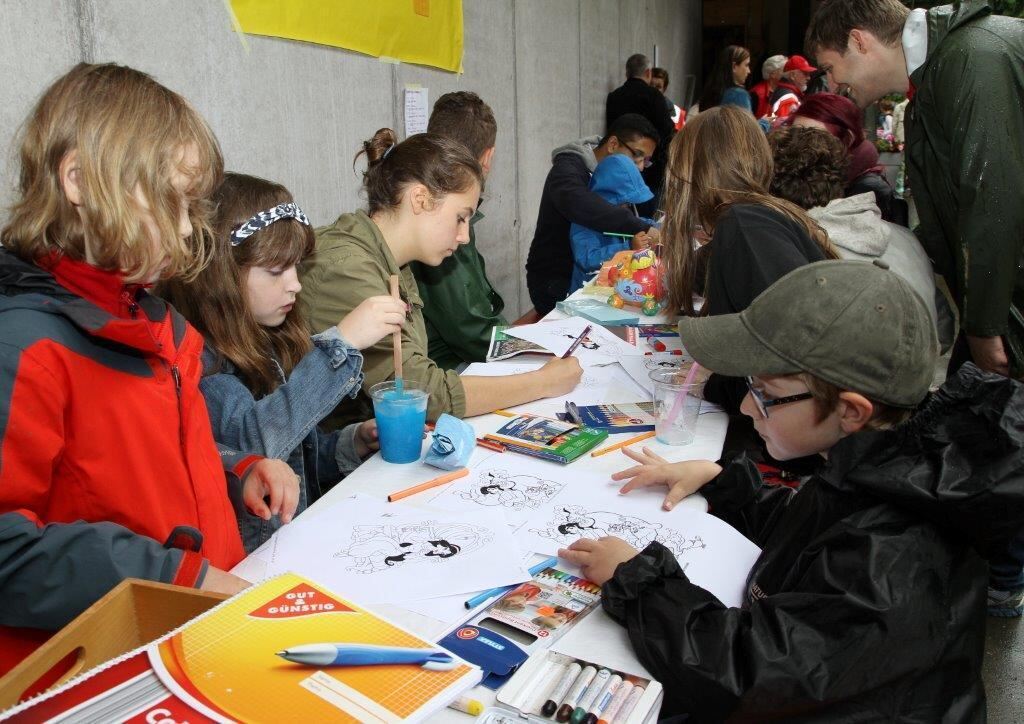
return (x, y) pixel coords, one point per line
(460, 306)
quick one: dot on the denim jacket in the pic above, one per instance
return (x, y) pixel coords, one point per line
(283, 424)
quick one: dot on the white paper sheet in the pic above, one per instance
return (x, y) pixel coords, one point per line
(712, 553)
(600, 347)
(640, 368)
(516, 485)
(376, 552)
(598, 386)
(417, 110)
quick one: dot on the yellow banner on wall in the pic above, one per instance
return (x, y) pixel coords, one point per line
(427, 32)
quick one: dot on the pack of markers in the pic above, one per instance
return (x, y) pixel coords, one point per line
(554, 687)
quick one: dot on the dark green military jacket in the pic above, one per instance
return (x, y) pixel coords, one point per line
(965, 157)
(459, 305)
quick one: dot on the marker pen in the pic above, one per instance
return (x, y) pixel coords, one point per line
(542, 693)
(561, 689)
(615, 705)
(588, 697)
(541, 675)
(565, 710)
(629, 705)
(602, 700)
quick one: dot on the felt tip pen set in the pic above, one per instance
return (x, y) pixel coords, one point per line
(554, 687)
(525, 620)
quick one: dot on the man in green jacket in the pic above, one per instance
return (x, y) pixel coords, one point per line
(965, 132)
(459, 304)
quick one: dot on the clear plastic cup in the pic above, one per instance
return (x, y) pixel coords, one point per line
(400, 418)
(676, 406)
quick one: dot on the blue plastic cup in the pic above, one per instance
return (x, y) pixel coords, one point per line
(400, 418)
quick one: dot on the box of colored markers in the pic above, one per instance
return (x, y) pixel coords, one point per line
(553, 687)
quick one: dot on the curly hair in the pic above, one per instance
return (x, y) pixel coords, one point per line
(810, 166)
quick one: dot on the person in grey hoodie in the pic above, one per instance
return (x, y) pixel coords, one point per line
(566, 200)
(810, 171)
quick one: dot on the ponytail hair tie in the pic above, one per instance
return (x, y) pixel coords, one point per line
(388, 151)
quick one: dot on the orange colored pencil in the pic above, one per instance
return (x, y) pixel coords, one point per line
(436, 482)
(624, 443)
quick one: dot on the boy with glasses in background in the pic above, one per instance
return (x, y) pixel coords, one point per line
(868, 600)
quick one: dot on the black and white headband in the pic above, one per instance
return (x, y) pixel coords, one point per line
(265, 218)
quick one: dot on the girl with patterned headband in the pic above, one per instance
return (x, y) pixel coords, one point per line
(267, 383)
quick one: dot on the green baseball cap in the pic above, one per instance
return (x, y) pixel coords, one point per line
(855, 324)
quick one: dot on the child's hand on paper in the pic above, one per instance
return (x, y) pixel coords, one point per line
(275, 481)
(599, 558)
(373, 320)
(681, 479)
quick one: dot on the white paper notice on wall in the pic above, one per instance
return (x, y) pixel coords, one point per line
(416, 110)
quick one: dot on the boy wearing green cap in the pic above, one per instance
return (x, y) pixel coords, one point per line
(868, 600)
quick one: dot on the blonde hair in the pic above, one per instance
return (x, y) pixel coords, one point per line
(131, 135)
(720, 158)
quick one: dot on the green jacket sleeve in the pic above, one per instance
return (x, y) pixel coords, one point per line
(460, 306)
(341, 284)
(986, 131)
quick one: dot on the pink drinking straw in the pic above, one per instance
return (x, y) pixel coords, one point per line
(677, 406)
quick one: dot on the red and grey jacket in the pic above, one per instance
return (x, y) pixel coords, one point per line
(108, 466)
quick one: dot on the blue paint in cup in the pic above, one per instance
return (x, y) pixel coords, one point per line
(400, 415)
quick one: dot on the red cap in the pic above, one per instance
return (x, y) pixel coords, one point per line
(799, 62)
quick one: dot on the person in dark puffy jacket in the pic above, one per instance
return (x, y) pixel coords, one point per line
(868, 600)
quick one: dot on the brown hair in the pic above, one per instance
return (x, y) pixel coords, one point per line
(810, 166)
(834, 19)
(216, 301)
(464, 117)
(721, 77)
(720, 158)
(129, 133)
(442, 165)
(660, 73)
(826, 397)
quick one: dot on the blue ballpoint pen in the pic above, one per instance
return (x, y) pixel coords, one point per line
(367, 655)
(534, 570)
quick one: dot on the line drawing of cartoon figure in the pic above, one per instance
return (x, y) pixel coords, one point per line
(571, 522)
(381, 547)
(587, 342)
(497, 487)
(652, 364)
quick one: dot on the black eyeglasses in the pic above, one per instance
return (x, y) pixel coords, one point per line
(762, 404)
(638, 155)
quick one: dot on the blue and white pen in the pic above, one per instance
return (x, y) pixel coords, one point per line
(367, 655)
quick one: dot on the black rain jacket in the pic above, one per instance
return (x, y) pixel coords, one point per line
(868, 600)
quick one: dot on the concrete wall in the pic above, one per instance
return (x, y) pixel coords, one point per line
(296, 113)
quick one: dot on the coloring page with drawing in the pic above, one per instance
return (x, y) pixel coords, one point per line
(599, 347)
(376, 552)
(517, 486)
(712, 553)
